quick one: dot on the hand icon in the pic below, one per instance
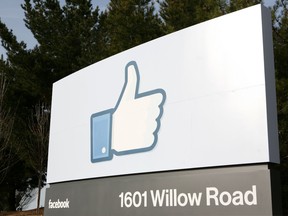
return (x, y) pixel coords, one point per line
(133, 124)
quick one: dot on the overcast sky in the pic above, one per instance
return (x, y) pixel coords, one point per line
(12, 15)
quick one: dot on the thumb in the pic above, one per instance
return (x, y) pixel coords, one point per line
(130, 88)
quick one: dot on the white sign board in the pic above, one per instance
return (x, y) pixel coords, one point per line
(200, 97)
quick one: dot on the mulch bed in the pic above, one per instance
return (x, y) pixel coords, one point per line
(24, 213)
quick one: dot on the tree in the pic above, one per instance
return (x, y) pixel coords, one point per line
(36, 147)
(209, 9)
(181, 14)
(6, 124)
(66, 43)
(22, 92)
(240, 4)
(129, 23)
(13, 173)
(178, 14)
(66, 35)
(280, 36)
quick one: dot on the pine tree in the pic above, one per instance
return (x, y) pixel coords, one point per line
(280, 36)
(129, 23)
(66, 35)
(67, 41)
(178, 14)
(240, 4)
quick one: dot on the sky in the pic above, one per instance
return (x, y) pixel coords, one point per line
(12, 15)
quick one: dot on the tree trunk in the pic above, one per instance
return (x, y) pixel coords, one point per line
(11, 198)
(39, 192)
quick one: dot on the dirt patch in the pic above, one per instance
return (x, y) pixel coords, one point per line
(24, 213)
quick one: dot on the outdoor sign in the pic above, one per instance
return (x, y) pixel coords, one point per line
(226, 191)
(200, 97)
(193, 114)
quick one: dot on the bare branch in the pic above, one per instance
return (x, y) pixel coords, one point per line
(37, 145)
(6, 126)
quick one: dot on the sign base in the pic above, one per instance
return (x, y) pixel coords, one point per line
(239, 190)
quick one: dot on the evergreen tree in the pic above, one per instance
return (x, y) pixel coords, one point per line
(66, 42)
(235, 5)
(280, 36)
(178, 14)
(209, 9)
(16, 173)
(66, 36)
(129, 23)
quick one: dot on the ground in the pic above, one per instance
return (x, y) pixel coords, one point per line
(23, 213)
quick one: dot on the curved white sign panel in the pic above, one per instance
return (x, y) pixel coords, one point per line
(200, 97)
